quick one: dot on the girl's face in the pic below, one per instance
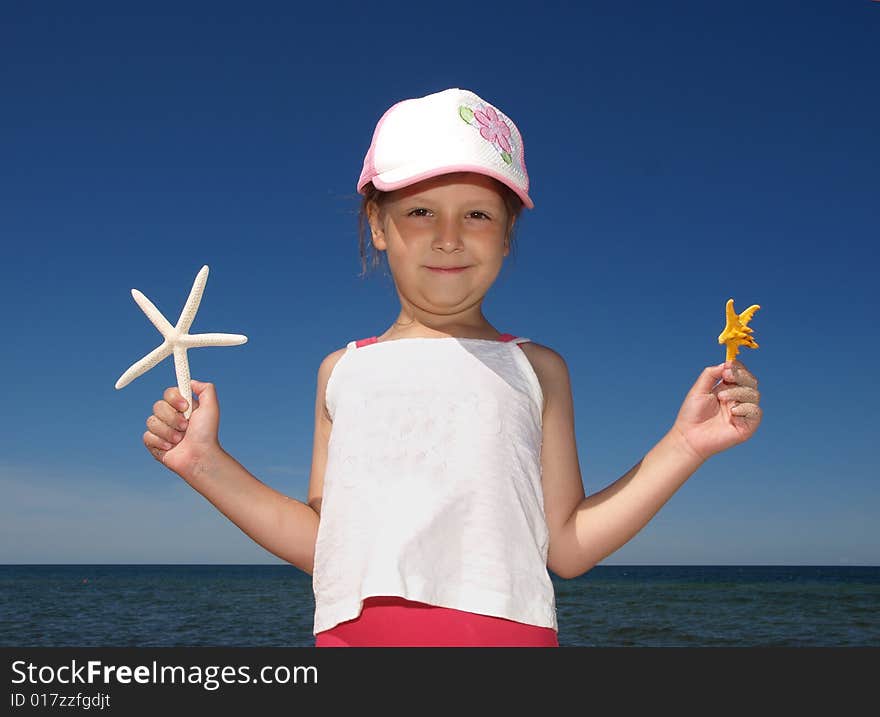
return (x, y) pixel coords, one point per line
(455, 220)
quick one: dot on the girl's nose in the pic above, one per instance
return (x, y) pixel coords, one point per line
(448, 235)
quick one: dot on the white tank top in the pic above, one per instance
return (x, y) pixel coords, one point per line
(432, 490)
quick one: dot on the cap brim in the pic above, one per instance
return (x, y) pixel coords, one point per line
(405, 176)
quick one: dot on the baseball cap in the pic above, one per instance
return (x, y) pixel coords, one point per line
(449, 131)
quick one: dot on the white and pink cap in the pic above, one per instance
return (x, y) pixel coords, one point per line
(449, 131)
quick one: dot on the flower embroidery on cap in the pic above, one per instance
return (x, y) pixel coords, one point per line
(491, 126)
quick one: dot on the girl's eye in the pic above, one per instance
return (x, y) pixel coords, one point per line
(422, 212)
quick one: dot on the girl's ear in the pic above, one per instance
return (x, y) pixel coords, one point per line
(374, 216)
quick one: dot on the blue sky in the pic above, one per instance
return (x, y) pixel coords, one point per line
(680, 154)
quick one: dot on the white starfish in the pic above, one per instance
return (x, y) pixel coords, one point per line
(177, 339)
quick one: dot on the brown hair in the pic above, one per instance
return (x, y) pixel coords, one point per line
(375, 196)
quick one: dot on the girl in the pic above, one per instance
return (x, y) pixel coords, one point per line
(445, 479)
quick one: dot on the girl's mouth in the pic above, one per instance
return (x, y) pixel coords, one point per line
(447, 271)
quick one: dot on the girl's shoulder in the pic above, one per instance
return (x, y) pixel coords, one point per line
(331, 359)
(549, 367)
(325, 370)
(545, 355)
(541, 354)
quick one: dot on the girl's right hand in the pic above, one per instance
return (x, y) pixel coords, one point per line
(179, 444)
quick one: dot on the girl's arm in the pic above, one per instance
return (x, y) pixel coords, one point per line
(605, 521)
(586, 529)
(282, 525)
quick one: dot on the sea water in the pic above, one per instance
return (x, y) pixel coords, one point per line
(272, 606)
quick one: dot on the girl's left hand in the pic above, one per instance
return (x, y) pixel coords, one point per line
(721, 410)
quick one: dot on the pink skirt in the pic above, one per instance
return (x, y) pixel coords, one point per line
(395, 622)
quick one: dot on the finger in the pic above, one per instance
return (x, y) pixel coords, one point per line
(707, 379)
(204, 392)
(158, 454)
(746, 410)
(736, 373)
(162, 430)
(155, 444)
(739, 394)
(170, 415)
(173, 397)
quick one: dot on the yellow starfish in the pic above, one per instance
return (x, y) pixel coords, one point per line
(737, 332)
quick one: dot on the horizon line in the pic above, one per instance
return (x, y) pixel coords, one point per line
(600, 565)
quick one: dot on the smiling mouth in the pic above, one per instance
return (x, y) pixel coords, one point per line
(451, 270)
